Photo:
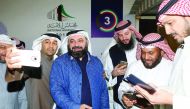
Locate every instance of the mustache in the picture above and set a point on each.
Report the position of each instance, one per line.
(51, 49)
(76, 47)
(173, 34)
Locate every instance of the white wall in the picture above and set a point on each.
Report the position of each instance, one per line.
(27, 19)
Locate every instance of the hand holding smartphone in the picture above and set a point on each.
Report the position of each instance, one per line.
(132, 79)
(27, 57)
(140, 102)
(122, 63)
(130, 95)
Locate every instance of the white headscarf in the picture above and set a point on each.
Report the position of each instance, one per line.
(5, 39)
(37, 44)
(77, 32)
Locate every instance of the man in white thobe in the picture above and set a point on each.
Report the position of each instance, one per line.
(174, 15)
(154, 54)
(122, 48)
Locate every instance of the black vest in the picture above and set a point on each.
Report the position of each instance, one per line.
(117, 55)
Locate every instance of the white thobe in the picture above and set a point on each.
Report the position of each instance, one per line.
(10, 100)
(108, 67)
(158, 75)
(180, 79)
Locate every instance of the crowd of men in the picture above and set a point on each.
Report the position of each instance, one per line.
(76, 79)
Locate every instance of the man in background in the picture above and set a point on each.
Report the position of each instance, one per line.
(38, 90)
(122, 48)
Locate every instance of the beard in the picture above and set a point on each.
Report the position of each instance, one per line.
(128, 46)
(77, 54)
(154, 64)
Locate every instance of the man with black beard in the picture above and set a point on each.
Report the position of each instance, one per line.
(122, 48)
(78, 53)
(76, 80)
(127, 46)
(153, 55)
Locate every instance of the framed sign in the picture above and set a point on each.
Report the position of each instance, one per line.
(105, 14)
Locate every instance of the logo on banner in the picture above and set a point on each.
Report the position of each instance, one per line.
(106, 20)
(63, 22)
(105, 14)
(59, 14)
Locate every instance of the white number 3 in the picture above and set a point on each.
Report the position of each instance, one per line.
(107, 22)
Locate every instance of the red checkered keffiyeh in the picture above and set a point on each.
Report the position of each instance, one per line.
(179, 7)
(122, 25)
(154, 39)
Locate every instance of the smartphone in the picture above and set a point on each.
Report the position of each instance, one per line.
(130, 95)
(28, 57)
(132, 79)
(122, 63)
(141, 102)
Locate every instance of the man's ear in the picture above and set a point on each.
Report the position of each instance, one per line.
(187, 19)
(87, 41)
(162, 53)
